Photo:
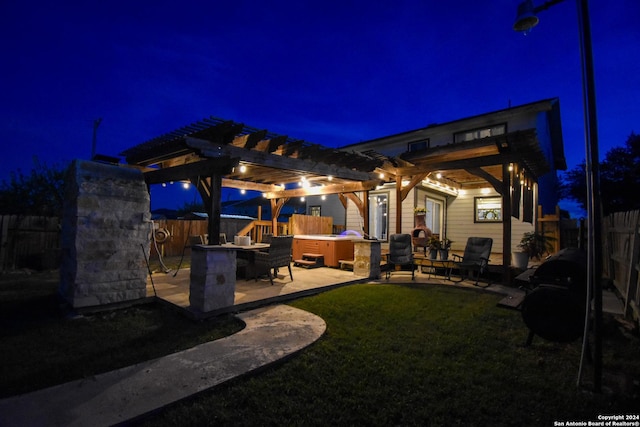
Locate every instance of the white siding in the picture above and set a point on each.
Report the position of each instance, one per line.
(460, 224)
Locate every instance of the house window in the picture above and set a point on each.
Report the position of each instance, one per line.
(418, 145)
(470, 135)
(314, 210)
(378, 218)
(488, 209)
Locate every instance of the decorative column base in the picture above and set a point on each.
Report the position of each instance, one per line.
(367, 258)
(213, 278)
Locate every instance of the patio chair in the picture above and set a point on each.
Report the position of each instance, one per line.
(475, 258)
(279, 255)
(400, 254)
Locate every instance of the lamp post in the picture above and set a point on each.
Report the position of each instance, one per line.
(525, 20)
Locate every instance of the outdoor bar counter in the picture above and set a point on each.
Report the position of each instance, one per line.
(333, 247)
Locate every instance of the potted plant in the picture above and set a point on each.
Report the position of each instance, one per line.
(419, 211)
(445, 245)
(532, 245)
(434, 245)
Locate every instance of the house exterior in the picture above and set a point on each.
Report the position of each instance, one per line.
(468, 174)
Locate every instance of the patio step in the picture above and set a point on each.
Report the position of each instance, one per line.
(346, 264)
(310, 260)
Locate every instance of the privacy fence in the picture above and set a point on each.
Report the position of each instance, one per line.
(621, 251)
(29, 242)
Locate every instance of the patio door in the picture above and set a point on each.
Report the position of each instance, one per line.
(378, 218)
(435, 215)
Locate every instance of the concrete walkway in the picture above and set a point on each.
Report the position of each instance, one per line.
(271, 333)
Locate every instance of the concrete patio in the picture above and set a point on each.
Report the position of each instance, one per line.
(173, 287)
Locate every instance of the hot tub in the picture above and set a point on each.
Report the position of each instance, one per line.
(333, 247)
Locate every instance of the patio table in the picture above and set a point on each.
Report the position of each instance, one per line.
(246, 257)
(433, 264)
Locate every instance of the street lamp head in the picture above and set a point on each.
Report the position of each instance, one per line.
(526, 18)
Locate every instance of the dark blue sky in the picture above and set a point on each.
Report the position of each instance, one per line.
(332, 73)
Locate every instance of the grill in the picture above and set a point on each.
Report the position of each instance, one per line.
(555, 308)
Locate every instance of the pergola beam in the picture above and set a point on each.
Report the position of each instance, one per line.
(204, 168)
(249, 185)
(213, 150)
(323, 190)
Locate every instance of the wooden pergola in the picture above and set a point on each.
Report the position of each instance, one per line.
(215, 153)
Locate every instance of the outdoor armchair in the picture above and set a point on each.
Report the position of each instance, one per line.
(400, 254)
(475, 258)
(279, 255)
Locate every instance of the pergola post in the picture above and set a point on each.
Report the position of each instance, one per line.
(215, 209)
(506, 223)
(398, 204)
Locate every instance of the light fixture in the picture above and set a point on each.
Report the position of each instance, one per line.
(330, 178)
(302, 199)
(243, 191)
(164, 184)
(526, 18)
(323, 197)
(185, 185)
(381, 175)
(243, 169)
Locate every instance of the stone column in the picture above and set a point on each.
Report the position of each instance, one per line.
(213, 277)
(367, 258)
(106, 225)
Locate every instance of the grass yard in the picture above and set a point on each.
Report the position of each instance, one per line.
(42, 347)
(392, 355)
(422, 355)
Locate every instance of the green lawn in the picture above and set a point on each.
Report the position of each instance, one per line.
(392, 355)
(396, 355)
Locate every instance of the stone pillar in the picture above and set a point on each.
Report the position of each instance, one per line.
(367, 258)
(105, 221)
(213, 277)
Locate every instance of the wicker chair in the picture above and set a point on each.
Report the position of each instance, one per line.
(279, 255)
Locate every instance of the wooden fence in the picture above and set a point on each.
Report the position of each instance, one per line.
(621, 241)
(29, 242)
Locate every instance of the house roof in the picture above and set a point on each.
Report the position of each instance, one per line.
(473, 163)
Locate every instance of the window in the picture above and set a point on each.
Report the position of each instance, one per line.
(378, 218)
(314, 210)
(488, 209)
(419, 145)
(470, 135)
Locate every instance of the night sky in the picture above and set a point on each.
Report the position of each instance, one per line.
(332, 73)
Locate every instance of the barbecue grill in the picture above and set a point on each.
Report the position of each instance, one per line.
(555, 308)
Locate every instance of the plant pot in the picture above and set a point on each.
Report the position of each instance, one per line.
(444, 254)
(433, 253)
(520, 260)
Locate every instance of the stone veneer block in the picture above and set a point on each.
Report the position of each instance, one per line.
(367, 258)
(105, 235)
(213, 278)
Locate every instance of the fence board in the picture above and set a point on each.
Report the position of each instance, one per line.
(308, 224)
(622, 251)
(29, 242)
